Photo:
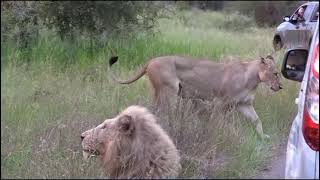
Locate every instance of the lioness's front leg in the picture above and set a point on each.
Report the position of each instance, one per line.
(248, 111)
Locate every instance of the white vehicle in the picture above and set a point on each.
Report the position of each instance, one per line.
(302, 156)
(292, 30)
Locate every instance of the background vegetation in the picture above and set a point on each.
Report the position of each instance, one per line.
(54, 83)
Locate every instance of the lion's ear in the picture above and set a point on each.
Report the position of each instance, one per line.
(126, 124)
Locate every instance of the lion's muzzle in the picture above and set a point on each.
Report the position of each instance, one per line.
(88, 145)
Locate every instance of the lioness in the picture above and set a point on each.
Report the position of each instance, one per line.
(234, 82)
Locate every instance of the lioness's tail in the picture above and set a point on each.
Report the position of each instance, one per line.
(139, 74)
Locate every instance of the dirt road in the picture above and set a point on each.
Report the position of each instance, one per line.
(275, 170)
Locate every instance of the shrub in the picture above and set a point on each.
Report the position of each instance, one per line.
(19, 22)
(96, 17)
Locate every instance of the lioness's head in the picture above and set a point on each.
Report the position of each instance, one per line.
(268, 73)
(128, 143)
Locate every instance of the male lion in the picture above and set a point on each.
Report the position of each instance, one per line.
(235, 82)
(133, 145)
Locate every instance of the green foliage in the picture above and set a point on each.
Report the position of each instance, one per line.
(209, 34)
(96, 17)
(19, 22)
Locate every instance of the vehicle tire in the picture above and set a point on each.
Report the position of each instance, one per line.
(277, 43)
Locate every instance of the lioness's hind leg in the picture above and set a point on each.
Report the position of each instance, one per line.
(167, 96)
(249, 112)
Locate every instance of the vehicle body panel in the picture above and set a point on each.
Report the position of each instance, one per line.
(301, 160)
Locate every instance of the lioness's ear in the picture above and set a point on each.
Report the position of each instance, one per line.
(126, 124)
(270, 57)
(262, 60)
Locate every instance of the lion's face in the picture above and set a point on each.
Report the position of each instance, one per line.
(268, 73)
(96, 141)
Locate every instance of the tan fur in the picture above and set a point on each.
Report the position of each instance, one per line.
(133, 145)
(234, 82)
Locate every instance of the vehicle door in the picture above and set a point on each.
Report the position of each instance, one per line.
(311, 14)
(311, 26)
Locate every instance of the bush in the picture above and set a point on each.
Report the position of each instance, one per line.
(19, 22)
(95, 17)
(22, 20)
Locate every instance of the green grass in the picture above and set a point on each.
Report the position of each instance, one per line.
(64, 90)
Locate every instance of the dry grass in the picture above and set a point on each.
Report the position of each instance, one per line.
(44, 109)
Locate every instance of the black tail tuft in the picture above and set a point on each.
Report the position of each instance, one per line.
(113, 60)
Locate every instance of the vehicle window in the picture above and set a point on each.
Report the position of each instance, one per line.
(308, 12)
(300, 14)
(306, 8)
(315, 15)
(296, 11)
